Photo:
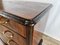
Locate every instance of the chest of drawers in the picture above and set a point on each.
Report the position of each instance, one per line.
(17, 20)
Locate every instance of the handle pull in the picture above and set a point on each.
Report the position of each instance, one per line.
(11, 42)
(3, 20)
(8, 34)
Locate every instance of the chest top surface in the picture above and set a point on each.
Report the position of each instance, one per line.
(24, 9)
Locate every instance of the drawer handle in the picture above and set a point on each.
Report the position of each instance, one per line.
(12, 42)
(3, 20)
(8, 32)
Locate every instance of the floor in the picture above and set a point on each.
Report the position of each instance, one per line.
(46, 39)
(36, 37)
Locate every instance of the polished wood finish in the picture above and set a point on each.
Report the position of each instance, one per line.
(26, 13)
(21, 41)
(24, 9)
(24, 31)
(29, 34)
(21, 29)
(16, 38)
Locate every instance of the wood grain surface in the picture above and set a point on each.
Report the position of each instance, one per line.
(24, 9)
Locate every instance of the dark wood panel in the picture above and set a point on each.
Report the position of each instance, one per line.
(21, 29)
(17, 39)
(24, 9)
(18, 28)
(26, 31)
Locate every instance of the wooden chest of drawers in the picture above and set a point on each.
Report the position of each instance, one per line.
(18, 18)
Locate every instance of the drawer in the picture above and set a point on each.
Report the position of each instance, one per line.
(19, 40)
(19, 28)
(11, 37)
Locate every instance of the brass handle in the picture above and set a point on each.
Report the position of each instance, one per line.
(8, 34)
(11, 42)
(3, 20)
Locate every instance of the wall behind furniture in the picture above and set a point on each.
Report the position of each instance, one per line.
(52, 27)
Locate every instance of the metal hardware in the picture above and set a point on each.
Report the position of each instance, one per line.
(3, 20)
(31, 24)
(11, 41)
(26, 22)
(8, 34)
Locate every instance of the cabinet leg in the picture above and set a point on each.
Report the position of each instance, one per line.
(41, 41)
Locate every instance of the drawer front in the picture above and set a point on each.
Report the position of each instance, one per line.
(18, 28)
(19, 39)
(21, 29)
(10, 37)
